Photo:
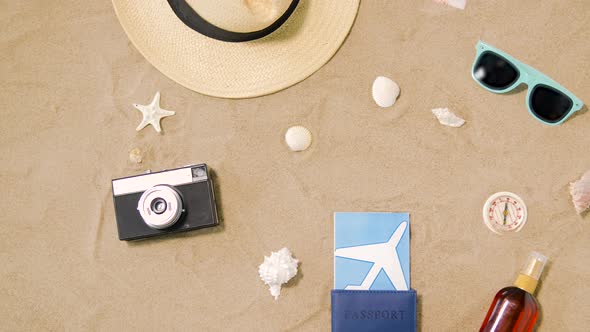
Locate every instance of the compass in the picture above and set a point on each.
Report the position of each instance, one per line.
(504, 212)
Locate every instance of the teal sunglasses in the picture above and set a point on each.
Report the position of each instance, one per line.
(499, 72)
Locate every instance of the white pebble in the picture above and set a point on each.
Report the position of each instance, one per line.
(298, 138)
(385, 91)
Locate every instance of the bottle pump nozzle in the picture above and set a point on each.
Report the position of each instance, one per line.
(529, 276)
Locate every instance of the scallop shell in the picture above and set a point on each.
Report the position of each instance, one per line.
(277, 269)
(580, 191)
(385, 91)
(298, 138)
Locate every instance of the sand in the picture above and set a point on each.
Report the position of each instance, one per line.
(70, 76)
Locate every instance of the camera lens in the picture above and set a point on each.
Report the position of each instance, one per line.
(158, 205)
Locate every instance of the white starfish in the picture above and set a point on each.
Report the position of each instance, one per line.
(152, 113)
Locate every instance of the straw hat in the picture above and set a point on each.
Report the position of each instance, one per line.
(237, 48)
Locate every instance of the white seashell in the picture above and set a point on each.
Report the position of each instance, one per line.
(459, 4)
(580, 191)
(298, 138)
(385, 91)
(277, 269)
(448, 118)
(135, 155)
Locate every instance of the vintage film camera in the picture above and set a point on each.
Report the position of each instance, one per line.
(164, 202)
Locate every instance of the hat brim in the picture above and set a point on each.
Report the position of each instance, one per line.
(309, 39)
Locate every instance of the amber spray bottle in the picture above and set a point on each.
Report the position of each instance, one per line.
(515, 308)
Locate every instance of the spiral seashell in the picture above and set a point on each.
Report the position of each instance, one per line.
(580, 191)
(277, 269)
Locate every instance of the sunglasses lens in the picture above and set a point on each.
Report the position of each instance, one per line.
(549, 104)
(494, 71)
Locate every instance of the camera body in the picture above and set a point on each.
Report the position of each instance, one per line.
(170, 201)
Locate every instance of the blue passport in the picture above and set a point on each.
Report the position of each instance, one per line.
(375, 311)
(371, 251)
(372, 273)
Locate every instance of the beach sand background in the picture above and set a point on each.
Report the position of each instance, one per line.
(70, 76)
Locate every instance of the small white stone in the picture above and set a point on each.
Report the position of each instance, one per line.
(298, 138)
(135, 155)
(385, 91)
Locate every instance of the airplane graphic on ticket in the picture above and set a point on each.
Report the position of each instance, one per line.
(372, 251)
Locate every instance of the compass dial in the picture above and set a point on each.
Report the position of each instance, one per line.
(504, 212)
